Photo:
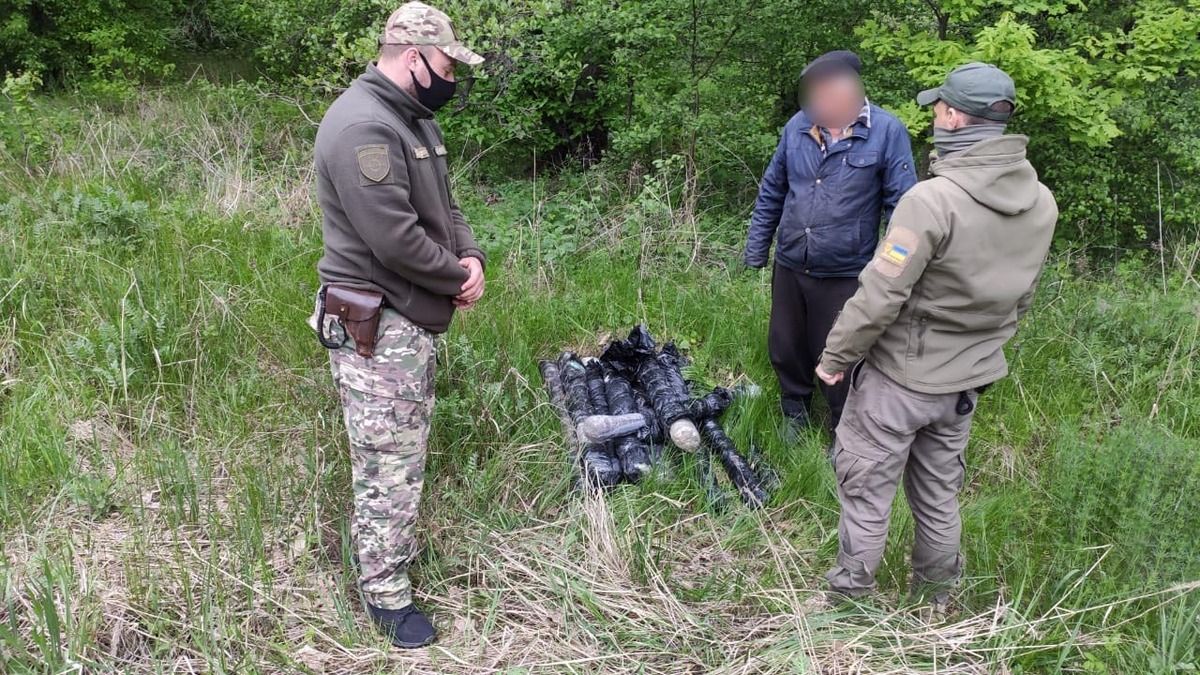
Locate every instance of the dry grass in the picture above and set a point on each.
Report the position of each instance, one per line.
(577, 593)
(238, 167)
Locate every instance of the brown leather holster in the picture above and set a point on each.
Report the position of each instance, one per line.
(359, 313)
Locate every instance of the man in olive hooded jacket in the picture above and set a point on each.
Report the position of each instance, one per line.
(954, 274)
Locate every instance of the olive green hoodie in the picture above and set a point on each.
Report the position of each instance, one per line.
(390, 223)
(955, 272)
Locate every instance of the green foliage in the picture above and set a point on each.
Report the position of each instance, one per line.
(169, 321)
(104, 219)
(22, 134)
(1106, 92)
(578, 80)
(108, 44)
(1073, 84)
(1135, 491)
(123, 354)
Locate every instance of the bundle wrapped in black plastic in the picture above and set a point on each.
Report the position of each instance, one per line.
(599, 467)
(659, 375)
(710, 405)
(655, 433)
(573, 379)
(619, 410)
(594, 372)
(741, 474)
(631, 449)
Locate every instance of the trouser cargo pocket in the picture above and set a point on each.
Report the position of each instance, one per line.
(856, 467)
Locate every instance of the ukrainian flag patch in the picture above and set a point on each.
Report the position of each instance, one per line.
(895, 252)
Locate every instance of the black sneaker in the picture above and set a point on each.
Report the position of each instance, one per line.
(407, 627)
(796, 412)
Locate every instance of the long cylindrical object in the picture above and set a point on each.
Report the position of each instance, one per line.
(597, 462)
(600, 428)
(740, 473)
(712, 404)
(631, 448)
(658, 374)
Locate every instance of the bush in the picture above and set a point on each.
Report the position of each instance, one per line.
(1136, 489)
(1106, 91)
(109, 44)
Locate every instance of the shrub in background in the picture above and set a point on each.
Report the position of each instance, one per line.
(106, 44)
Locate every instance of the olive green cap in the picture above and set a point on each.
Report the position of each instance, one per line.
(974, 88)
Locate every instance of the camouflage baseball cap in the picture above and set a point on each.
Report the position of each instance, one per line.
(974, 88)
(416, 23)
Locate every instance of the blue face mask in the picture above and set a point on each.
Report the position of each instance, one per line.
(438, 93)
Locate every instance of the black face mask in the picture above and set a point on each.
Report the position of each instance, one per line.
(438, 93)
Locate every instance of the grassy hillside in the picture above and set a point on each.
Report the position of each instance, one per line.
(174, 483)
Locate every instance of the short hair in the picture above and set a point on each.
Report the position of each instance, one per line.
(387, 52)
(1003, 107)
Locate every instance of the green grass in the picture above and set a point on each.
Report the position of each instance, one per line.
(174, 482)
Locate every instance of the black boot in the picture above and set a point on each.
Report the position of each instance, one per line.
(796, 409)
(795, 418)
(406, 627)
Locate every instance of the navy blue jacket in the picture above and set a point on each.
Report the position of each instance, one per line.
(827, 209)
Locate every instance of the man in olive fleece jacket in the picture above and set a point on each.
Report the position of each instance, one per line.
(390, 222)
(955, 272)
(392, 227)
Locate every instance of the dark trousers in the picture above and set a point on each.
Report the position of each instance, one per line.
(803, 309)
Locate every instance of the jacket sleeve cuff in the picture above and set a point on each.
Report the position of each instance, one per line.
(753, 260)
(474, 253)
(833, 365)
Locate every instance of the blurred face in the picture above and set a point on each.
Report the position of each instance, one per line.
(834, 102)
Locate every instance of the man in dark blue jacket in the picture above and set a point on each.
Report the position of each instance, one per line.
(841, 166)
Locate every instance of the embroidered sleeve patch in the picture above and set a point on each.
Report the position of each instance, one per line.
(896, 252)
(373, 162)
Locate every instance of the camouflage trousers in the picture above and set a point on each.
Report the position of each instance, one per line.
(388, 402)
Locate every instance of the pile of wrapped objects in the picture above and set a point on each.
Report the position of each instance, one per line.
(620, 410)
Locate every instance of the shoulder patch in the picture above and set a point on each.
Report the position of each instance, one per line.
(896, 251)
(373, 162)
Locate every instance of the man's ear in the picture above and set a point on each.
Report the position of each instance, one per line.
(956, 118)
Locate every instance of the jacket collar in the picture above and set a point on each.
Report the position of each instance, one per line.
(995, 173)
(391, 95)
(864, 115)
(861, 128)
